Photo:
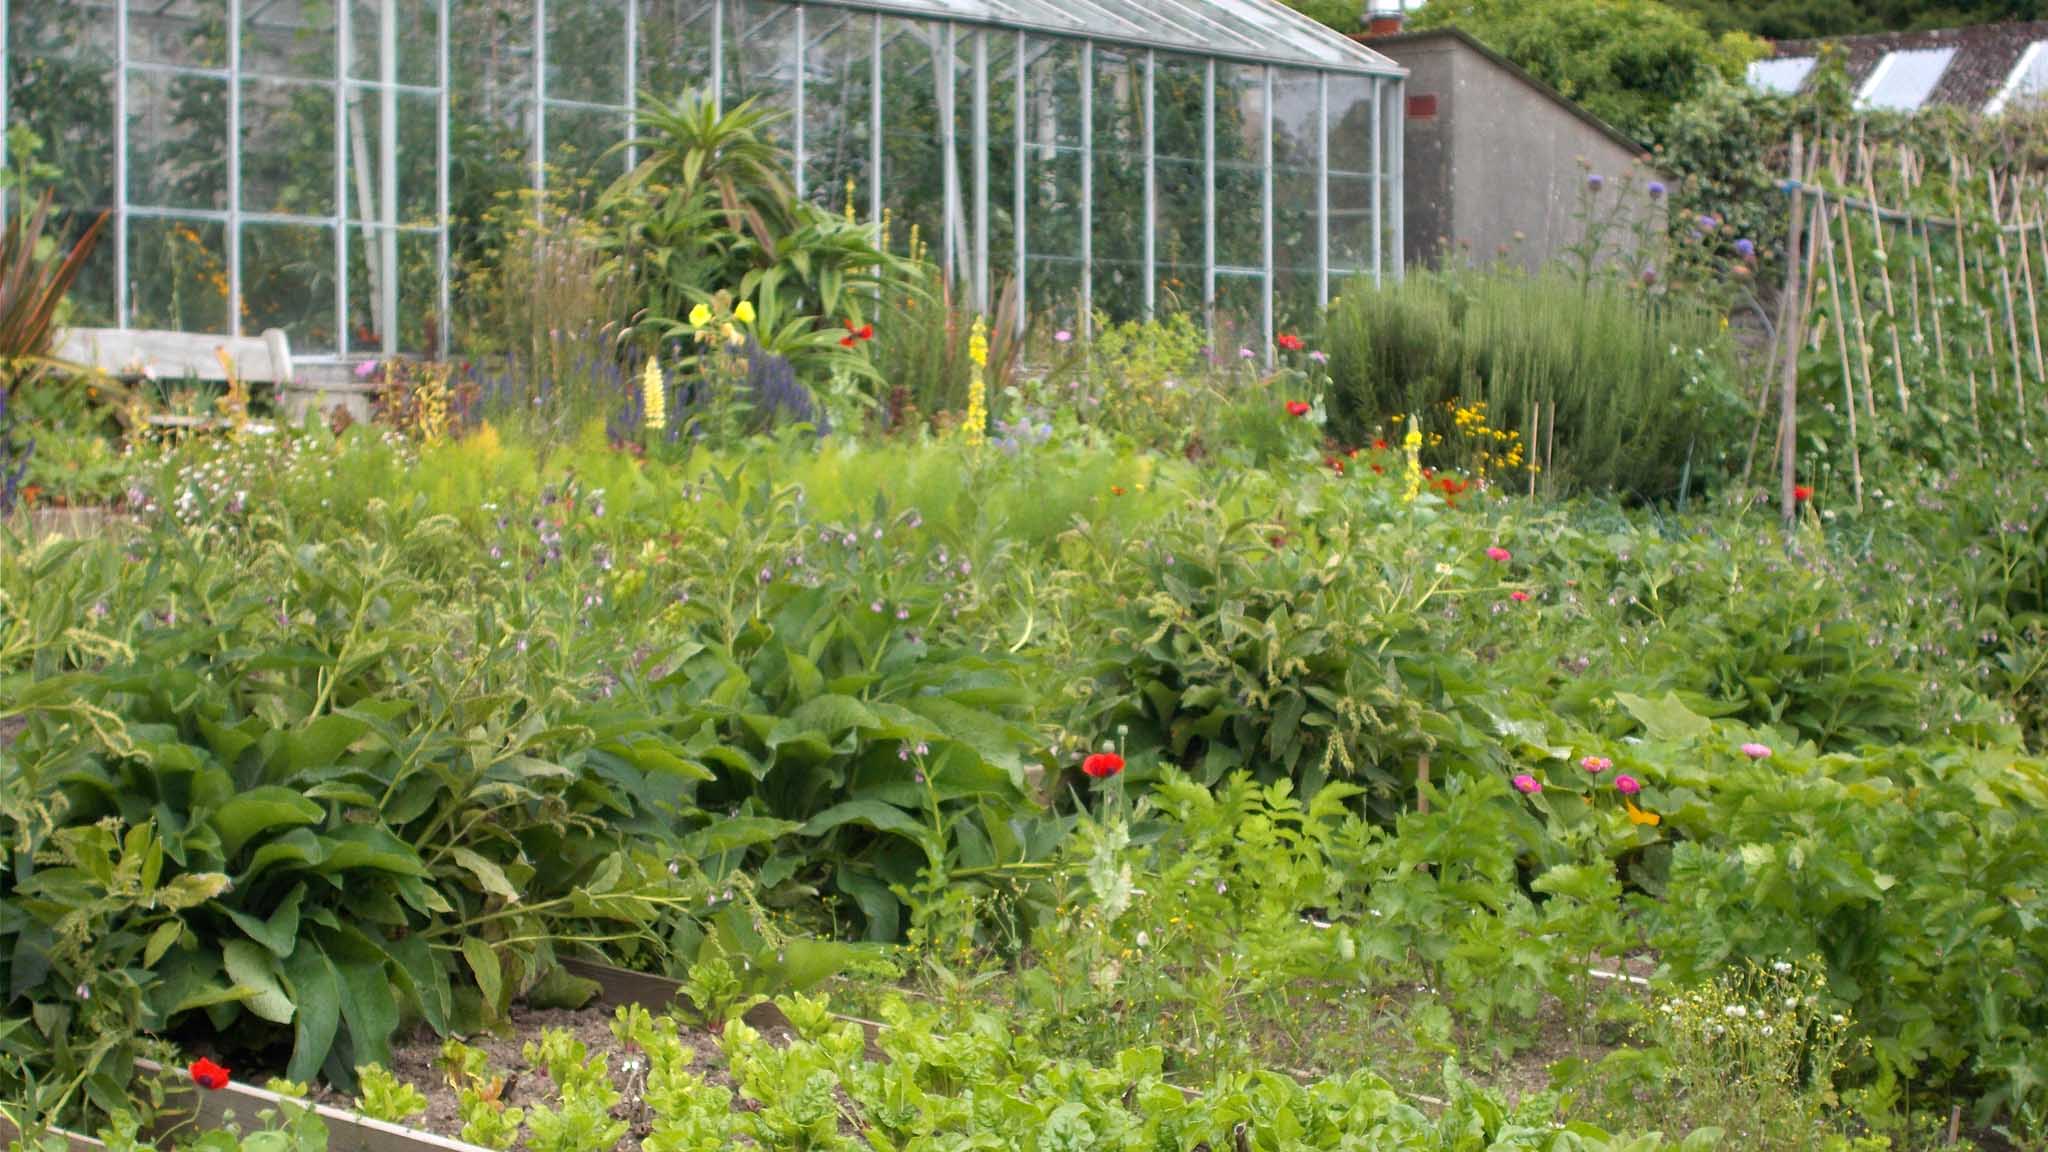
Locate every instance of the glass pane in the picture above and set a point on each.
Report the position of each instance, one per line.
(1052, 216)
(178, 275)
(1177, 182)
(1350, 224)
(836, 91)
(290, 38)
(417, 143)
(838, 66)
(1297, 120)
(288, 148)
(675, 46)
(418, 290)
(188, 33)
(60, 85)
(177, 141)
(2028, 82)
(288, 283)
(1904, 80)
(1780, 77)
(490, 133)
(1240, 301)
(1240, 160)
(587, 50)
(1001, 52)
(760, 58)
(1351, 125)
(1119, 184)
(92, 294)
(913, 162)
(579, 143)
(403, 33)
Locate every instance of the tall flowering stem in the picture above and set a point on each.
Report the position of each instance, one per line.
(976, 425)
(653, 397)
(1412, 445)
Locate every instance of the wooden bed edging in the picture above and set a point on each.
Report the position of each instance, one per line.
(9, 1134)
(346, 1131)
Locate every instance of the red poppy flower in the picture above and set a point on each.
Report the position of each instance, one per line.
(1801, 493)
(1116, 489)
(1335, 464)
(1290, 342)
(1379, 445)
(208, 1075)
(846, 341)
(1378, 471)
(1103, 765)
(1351, 453)
(1297, 408)
(867, 332)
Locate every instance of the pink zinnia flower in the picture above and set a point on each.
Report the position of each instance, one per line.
(1527, 784)
(1627, 785)
(1597, 764)
(1519, 596)
(1756, 751)
(1499, 555)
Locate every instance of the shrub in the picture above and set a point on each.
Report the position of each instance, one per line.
(1610, 391)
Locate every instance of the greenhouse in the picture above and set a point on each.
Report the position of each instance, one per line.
(319, 166)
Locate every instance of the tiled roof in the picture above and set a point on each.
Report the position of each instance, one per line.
(1985, 56)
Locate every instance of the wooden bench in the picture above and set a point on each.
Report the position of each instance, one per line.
(170, 356)
(131, 355)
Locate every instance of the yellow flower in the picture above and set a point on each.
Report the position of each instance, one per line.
(653, 397)
(745, 312)
(977, 344)
(700, 316)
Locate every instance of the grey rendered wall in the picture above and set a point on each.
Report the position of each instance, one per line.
(1499, 172)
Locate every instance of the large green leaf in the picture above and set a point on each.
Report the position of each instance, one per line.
(316, 991)
(259, 811)
(254, 971)
(280, 933)
(869, 813)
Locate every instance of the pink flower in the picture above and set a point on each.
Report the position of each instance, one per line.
(1062, 336)
(1499, 555)
(1527, 785)
(1627, 785)
(1519, 596)
(366, 369)
(1597, 764)
(1756, 751)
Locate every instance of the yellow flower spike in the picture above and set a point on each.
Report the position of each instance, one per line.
(653, 397)
(700, 316)
(975, 426)
(745, 312)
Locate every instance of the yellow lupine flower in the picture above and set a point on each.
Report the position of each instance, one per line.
(653, 397)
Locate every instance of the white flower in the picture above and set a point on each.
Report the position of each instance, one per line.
(1737, 1011)
(1144, 941)
(1780, 967)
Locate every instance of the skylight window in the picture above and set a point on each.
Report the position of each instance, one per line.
(1904, 80)
(2028, 83)
(1780, 77)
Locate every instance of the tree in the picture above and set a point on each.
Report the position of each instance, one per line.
(1627, 61)
(1801, 19)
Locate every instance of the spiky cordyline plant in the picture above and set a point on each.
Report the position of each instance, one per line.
(33, 281)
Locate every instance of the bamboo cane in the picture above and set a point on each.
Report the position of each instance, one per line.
(1884, 275)
(2027, 277)
(1848, 391)
(1934, 300)
(1788, 422)
(1856, 310)
(2012, 326)
(1791, 316)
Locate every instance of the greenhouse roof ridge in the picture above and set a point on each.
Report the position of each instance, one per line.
(1255, 31)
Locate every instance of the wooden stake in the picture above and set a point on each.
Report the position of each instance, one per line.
(1788, 422)
(1891, 314)
(1856, 309)
(1934, 299)
(2027, 275)
(1848, 391)
(1790, 315)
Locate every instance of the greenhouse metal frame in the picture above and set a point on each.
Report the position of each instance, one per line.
(297, 157)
